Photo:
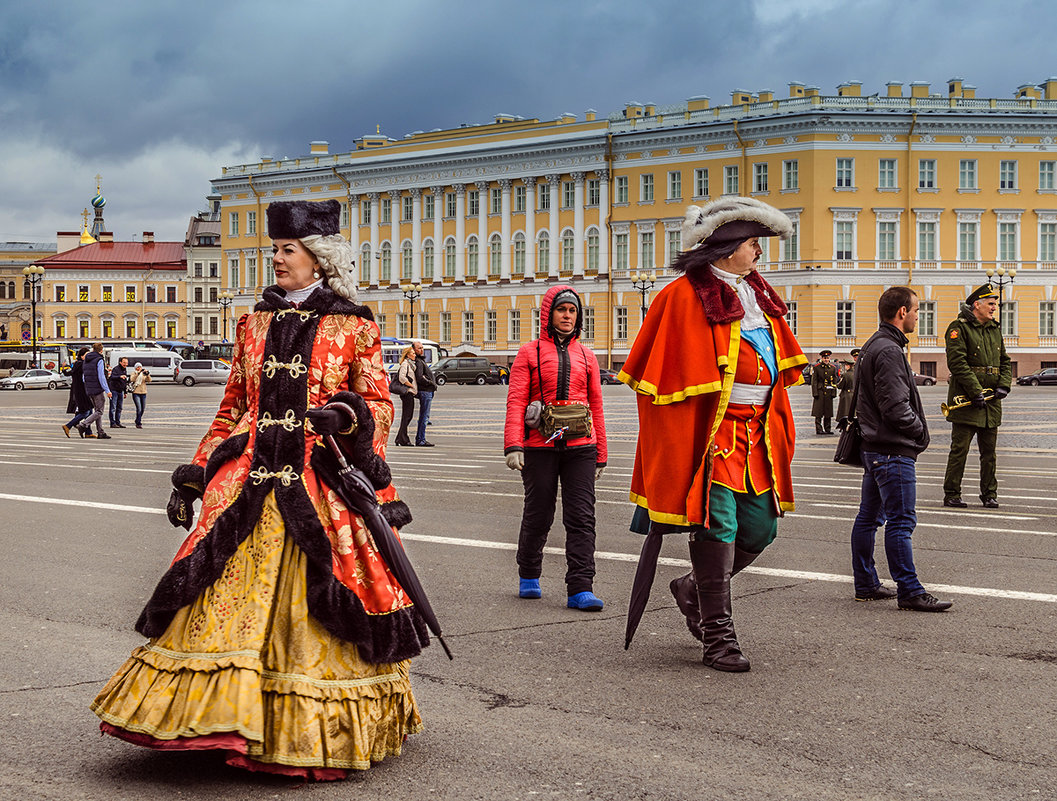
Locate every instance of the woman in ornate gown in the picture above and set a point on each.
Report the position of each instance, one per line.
(278, 635)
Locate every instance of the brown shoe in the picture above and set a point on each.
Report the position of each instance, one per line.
(66, 431)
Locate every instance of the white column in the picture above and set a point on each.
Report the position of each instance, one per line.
(555, 231)
(438, 233)
(530, 228)
(603, 232)
(416, 236)
(579, 254)
(375, 211)
(460, 233)
(484, 263)
(504, 270)
(354, 234)
(397, 263)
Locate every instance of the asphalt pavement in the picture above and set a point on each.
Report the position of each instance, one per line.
(845, 700)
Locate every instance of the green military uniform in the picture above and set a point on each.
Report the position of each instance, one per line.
(978, 362)
(823, 390)
(846, 387)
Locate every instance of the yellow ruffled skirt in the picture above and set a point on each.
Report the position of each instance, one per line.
(245, 669)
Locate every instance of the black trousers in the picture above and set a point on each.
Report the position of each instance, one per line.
(575, 469)
(407, 411)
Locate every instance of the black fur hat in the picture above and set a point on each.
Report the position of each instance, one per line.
(295, 219)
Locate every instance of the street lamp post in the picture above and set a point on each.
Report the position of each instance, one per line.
(225, 299)
(412, 292)
(1002, 277)
(34, 278)
(644, 282)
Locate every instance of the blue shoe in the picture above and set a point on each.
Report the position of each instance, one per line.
(586, 601)
(529, 588)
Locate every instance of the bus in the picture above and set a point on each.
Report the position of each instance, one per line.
(392, 347)
(221, 351)
(51, 355)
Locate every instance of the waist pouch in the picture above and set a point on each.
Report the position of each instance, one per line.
(575, 418)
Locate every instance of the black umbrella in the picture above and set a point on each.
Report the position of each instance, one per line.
(643, 583)
(356, 490)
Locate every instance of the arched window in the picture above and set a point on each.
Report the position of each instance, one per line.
(407, 262)
(3, 290)
(427, 261)
(449, 258)
(568, 251)
(471, 258)
(543, 259)
(495, 248)
(519, 254)
(387, 264)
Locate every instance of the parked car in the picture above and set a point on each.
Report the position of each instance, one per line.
(1047, 375)
(203, 371)
(924, 380)
(469, 370)
(607, 376)
(34, 379)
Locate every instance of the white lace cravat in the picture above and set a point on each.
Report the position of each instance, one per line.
(754, 317)
(299, 296)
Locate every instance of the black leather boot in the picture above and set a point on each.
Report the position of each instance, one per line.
(684, 590)
(713, 565)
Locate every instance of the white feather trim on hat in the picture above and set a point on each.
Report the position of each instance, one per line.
(701, 222)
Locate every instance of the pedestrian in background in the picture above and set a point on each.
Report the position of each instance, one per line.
(823, 390)
(79, 405)
(98, 390)
(137, 387)
(845, 386)
(118, 383)
(894, 433)
(405, 376)
(559, 375)
(981, 371)
(426, 385)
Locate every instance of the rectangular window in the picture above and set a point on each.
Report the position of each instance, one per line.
(589, 324)
(759, 177)
(967, 241)
(592, 251)
(130, 293)
(1048, 242)
(407, 204)
(60, 329)
(212, 294)
(386, 213)
(620, 254)
(620, 194)
(467, 326)
(233, 273)
(251, 270)
(927, 241)
(568, 252)
(233, 223)
(152, 329)
(60, 294)
(1047, 176)
(429, 207)
(108, 293)
(152, 294)
(845, 318)
(343, 222)
(926, 173)
(170, 294)
(646, 251)
(886, 241)
(423, 325)
(197, 325)
(675, 185)
(381, 320)
(791, 245)
(844, 237)
(496, 200)
(594, 192)
(108, 329)
(1007, 241)
(544, 197)
(1007, 313)
(251, 223)
(967, 174)
(473, 203)
(82, 293)
(845, 173)
(520, 198)
(170, 329)
(1047, 318)
(514, 325)
(214, 327)
(491, 326)
(403, 325)
(452, 203)
(365, 212)
(543, 255)
(701, 182)
(620, 327)
(927, 318)
(445, 326)
(675, 239)
(791, 174)
(535, 323)
(646, 188)
(198, 269)
(730, 179)
(519, 255)
(82, 329)
(1007, 175)
(198, 294)
(791, 315)
(214, 269)
(269, 270)
(568, 194)
(886, 174)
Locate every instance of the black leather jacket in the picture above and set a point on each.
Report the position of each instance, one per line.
(888, 406)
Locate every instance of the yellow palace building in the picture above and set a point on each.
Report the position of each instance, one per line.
(935, 189)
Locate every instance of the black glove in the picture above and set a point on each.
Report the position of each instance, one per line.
(842, 424)
(180, 509)
(329, 421)
(979, 402)
(1001, 392)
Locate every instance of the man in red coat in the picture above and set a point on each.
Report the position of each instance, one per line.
(559, 374)
(716, 434)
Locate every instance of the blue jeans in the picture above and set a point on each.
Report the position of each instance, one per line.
(117, 401)
(889, 494)
(141, 404)
(425, 400)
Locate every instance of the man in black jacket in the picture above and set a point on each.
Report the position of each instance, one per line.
(118, 382)
(894, 432)
(427, 385)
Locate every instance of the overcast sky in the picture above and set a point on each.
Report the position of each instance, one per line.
(158, 96)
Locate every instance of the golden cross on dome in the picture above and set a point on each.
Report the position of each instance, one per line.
(98, 178)
(377, 129)
(84, 216)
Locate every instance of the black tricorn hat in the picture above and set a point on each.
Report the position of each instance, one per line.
(296, 219)
(981, 292)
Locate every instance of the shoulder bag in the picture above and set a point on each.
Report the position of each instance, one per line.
(849, 446)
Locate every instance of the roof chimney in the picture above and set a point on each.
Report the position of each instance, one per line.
(148, 237)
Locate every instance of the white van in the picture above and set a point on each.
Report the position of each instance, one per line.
(163, 365)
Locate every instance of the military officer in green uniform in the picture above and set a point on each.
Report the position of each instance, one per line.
(846, 387)
(981, 371)
(823, 390)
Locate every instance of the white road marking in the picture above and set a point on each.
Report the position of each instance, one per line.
(114, 507)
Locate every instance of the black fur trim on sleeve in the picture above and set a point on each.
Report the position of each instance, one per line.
(226, 451)
(189, 476)
(396, 513)
(359, 446)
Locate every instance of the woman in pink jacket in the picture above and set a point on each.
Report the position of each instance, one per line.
(555, 379)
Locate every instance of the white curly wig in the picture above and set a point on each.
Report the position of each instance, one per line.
(334, 253)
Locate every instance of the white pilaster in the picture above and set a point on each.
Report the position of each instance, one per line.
(530, 228)
(484, 263)
(397, 265)
(504, 270)
(416, 236)
(438, 233)
(579, 254)
(555, 230)
(604, 233)
(460, 233)
(375, 212)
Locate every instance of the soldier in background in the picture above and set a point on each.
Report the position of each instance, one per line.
(981, 371)
(823, 390)
(846, 387)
